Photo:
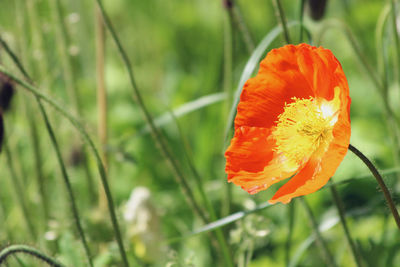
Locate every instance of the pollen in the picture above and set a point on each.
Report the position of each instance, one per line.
(302, 129)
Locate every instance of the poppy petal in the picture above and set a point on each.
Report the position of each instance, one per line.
(251, 161)
(279, 80)
(319, 169)
(321, 70)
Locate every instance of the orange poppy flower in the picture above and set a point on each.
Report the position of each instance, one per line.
(292, 121)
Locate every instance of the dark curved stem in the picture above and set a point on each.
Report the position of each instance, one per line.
(236, 16)
(282, 19)
(302, 4)
(13, 249)
(380, 181)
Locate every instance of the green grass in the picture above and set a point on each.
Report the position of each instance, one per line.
(177, 54)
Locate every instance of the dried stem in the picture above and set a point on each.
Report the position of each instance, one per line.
(101, 98)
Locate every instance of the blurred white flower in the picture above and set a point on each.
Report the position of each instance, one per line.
(73, 18)
(143, 225)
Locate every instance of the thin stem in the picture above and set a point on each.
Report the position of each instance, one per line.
(219, 233)
(291, 211)
(236, 15)
(13, 249)
(380, 181)
(396, 38)
(67, 182)
(3, 218)
(38, 159)
(89, 141)
(280, 14)
(180, 178)
(302, 5)
(383, 67)
(101, 97)
(320, 241)
(227, 85)
(19, 192)
(342, 217)
(41, 64)
(368, 67)
(63, 43)
(32, 119)
(54, 142)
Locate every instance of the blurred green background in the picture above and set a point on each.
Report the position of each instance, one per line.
(181, 51)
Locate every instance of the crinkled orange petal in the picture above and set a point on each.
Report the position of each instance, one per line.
(319, 169)
(279, 79)
(251, 162)
(321, 69)
(291, 71)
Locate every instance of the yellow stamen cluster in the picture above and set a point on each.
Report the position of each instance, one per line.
(301, 130)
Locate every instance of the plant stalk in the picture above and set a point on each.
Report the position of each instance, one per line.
(180, 178)
(341, 211)
(381, 183)
(24, 249)
(32, 89)
(320, 241)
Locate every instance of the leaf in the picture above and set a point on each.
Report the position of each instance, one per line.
(184, 109)
(241, 214)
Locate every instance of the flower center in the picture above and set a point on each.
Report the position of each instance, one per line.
(304, 127)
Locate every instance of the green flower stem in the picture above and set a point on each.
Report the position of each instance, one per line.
(234, 12)
(67, 182)
(180, 178)
(227, 85)
(89, 141)
(393, 118)
(383, 66)
(320, 241)
(38, 159)
(291, 213)
(19, 192)
(41, 63)
(13, 249)
(302, 7)
(223, 243)
(32, 119)
(280, 14)
(58, 154)
(342, 217)
(381, 183)
(396, 39)
(63, 43)
(101, 96)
